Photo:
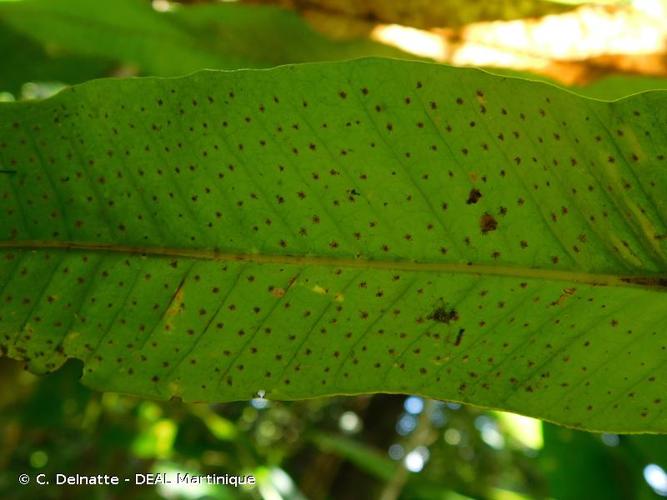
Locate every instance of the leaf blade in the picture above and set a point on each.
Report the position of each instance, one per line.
(209, 238)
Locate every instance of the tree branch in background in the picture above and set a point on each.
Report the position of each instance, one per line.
(600, 40)
(423, 13)
(423, 435)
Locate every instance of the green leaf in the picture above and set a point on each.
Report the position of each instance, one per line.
(371, 460)
(592, 472)
(598, 470)
(158, 43)
(617, 86)
(343, 228)
(378, 465)
(608, 87)
(24, 60)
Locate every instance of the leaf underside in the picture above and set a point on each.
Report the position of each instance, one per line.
(343, 228)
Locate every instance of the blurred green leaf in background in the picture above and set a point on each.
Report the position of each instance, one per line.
(347, 448)
(55, 38)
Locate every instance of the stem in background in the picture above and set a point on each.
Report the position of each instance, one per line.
(422, 436)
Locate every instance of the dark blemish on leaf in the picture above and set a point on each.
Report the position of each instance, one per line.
(459, 337)
(488, 223)
(444, 314)
(650, 282)
(474, 196)
(7, 172)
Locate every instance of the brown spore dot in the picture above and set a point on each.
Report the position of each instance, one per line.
(488, 223)
(443, 314)
(474, 196)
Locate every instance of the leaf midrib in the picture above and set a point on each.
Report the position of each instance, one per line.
(653, 281)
